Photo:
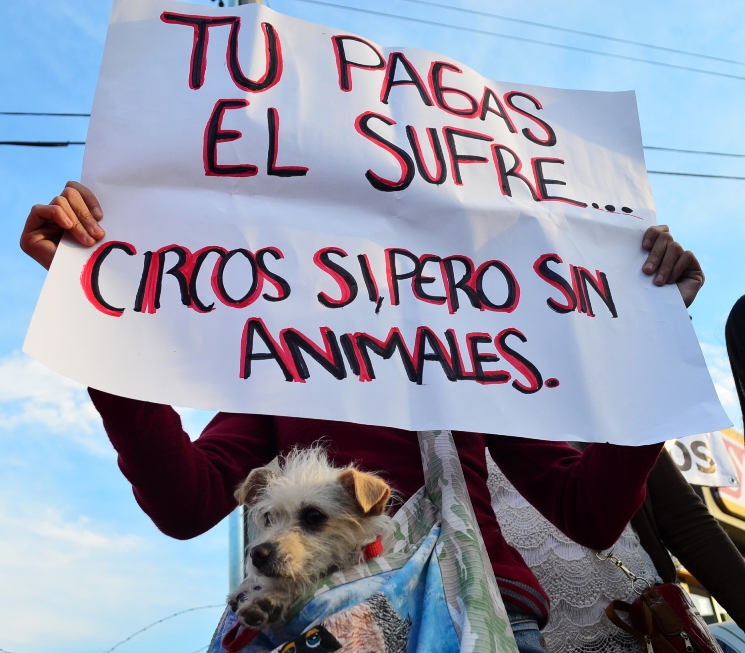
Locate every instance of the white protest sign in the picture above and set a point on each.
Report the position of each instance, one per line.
(302, 222)
(704, 459)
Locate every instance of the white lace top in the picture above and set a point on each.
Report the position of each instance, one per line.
(579, 585)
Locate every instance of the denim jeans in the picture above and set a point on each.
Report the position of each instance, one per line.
(527, 635)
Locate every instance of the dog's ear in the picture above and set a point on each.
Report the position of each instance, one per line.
(370, 492)
(254, 485)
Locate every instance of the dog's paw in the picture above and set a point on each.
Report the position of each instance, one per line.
(260, 612)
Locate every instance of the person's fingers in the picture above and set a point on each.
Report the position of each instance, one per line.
(650, 235)
(673, 252)
(40, 243)
(683, 264)
(77, 230)
(88, 197)
(657, 252)
(82, 212)
(42, 214)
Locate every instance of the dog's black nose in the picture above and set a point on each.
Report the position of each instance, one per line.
(263, 554)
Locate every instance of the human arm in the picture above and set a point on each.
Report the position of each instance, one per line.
(693, 536)
(589, 496)
(78, 211)
(670, 263)
(75, 209)
(184, 487)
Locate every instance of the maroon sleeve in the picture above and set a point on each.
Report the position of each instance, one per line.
(588, 496)
(184, 487)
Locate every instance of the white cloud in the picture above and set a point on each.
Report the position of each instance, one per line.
(71, 584)
(32, 395)
(721, 374)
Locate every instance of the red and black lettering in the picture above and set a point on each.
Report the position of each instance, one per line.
(404, 160)
(420, 279)
(579, 290)
(513, 288)
(477, 358)
(490, 103)
(215, 134)
(281, 286)
(218, 285)
(541, 182)
(151, 281)
(439, 91)
(367, 274)
(198, 260)
(89, 277)
(329, 358)
(198, 65)
(272, 169)
(425, 336)
(389, 81)
(557, 281)
(519, 362)
(441, 171)
(504, 173)
(457, 359)
(464, 283)
(344, 65)
(344, 278)
(350, 352)
(255, 326)
(549, 140)
(394, 342)
(200, 25)
(273, 50)
(600, 285)
(457, 159)
(392, 274)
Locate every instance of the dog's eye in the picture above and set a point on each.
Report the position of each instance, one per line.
(313, 517)
(267, 519)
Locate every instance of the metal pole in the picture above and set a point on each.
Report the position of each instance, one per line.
(233, 3)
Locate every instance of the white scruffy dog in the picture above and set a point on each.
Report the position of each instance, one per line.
(305, 522)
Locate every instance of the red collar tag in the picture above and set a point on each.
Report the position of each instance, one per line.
(374, 549)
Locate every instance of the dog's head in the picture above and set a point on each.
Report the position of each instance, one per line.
(310, 518)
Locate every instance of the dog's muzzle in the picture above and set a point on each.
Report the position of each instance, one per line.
(264, 558)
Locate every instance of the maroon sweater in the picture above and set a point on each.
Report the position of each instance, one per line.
(187, 487)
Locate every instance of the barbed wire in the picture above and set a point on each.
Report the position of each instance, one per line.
(160, 621)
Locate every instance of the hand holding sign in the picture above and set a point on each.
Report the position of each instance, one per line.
(75, 209)
(323, 227)
(669, 263)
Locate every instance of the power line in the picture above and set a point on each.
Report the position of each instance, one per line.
(691, 174)
(525, 40)
(43, 113)
(160, 621)
(672, 149)
(576, 31)
(42, 143)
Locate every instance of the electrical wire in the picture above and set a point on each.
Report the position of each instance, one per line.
(692, 174)
(42, 143)
(160, 621)
(524, 40)
(575, 31)
(201, 648)
(43, 113)
(672, 149)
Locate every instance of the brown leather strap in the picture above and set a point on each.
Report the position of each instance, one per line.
(610, 611)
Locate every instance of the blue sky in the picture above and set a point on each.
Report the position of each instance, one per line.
(80, 566)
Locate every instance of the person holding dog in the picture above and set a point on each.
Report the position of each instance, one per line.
(187, 487)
